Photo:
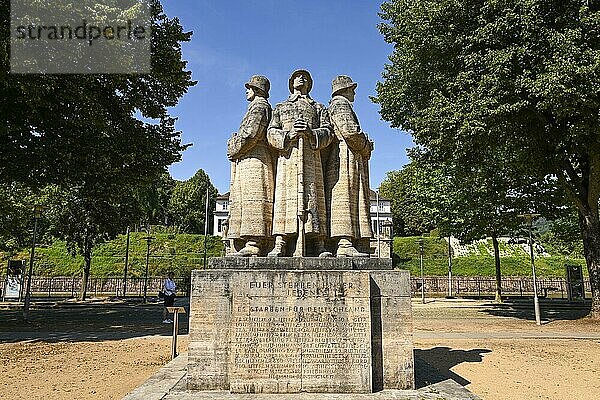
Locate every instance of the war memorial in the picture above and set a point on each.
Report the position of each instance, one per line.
(298, 306)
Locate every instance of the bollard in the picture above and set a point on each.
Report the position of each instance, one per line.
(175, 311)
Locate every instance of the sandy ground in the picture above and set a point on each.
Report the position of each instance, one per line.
(105, 350)
(76, 370)
(529, 361)
(520, 369)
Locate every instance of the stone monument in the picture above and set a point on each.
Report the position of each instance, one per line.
(299, 130)
(252, 174)
(347, 174)
(289, 322)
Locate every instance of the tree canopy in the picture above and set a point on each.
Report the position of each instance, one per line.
(473, 78)
(188, 202)
(153, 200)
(71, 129)
(411, 191)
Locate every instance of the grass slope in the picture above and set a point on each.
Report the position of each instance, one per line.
(183, 252)
(406, 256)
(180, 253)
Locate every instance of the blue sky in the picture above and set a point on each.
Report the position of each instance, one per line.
(236, 39)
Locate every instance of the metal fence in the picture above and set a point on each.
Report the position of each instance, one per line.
(486, 286)
(60, 286)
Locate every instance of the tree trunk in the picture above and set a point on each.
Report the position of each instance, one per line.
(498, 273)
(590, 229)
(87, 257)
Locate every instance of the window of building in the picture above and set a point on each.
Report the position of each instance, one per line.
(220, 225)
(374, 226)
(226, 205)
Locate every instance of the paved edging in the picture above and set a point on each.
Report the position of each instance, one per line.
(8, 337)
(159, 384)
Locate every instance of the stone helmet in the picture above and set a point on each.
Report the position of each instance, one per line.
(298, 72)
(259, 82)
(342, 82)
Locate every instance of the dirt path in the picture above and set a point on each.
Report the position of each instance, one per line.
(104, 350)
(99, 350)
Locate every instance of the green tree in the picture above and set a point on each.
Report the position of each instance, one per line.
(188, 203)
(467, 201)
(99, 138)
(153, 200)
(85, 216)
(17, 202)
(474, 75)
(411, 200)
(482, 201)
(563, 236)
(63, 129)
(15, 216)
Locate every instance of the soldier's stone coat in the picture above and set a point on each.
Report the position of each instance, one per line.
(347, 174)
(252, 175)
(286, 188)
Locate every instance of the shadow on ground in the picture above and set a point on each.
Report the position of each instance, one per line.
(551, 309)
(96, 321)
(434, 365)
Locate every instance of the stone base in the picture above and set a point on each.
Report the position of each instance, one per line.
(293, 331)
(169, 384)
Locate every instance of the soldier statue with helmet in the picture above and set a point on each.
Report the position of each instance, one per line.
(347, 174)
(252, 175)
(299, 174)
(298, 131)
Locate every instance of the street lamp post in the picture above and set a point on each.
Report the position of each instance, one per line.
(205, 226)
(37, 213)
(448, 182)
(378, 227)
(529, 219)
(422, 250)
(148, 241)
(449, 268)
(126, 263)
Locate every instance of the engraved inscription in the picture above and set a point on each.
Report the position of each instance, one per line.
(296, 334)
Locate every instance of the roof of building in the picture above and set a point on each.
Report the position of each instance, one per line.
(224, 196)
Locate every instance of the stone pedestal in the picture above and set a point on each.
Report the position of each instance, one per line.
(291, 330)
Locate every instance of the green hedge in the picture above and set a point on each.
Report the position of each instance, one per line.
(408, 247)
(484, 266)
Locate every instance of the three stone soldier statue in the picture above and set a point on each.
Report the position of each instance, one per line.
(298, 130)
(252, 174)
(347, 174)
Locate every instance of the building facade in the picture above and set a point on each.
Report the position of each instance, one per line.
(220, 214)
